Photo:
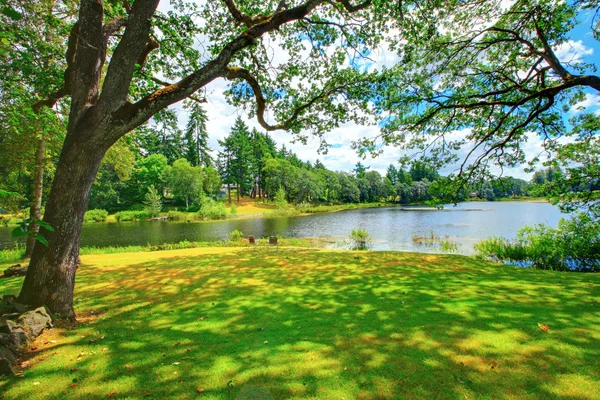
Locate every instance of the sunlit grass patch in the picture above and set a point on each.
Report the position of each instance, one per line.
(220, 323)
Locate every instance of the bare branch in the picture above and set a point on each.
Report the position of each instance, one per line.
(65, 90)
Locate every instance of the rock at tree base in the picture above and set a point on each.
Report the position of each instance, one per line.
(20, 336)
(15, 335)
(15, 270)
(36, 321)
(6, 366)
(20, 308)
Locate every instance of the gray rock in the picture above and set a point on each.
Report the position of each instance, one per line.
(19, 335)
(15, 270)
(36, 321)
(7, 342)
(6, 367)
(20, 308)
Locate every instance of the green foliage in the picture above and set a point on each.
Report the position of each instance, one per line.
(235, 159)
(233, 209)
(212, 209)
(236, 235)
(11, 255)
(279, 199)
(23, 230)
(124, 216)
(153, 201)
(359, 239)
(184, 180)
(95, 216)
(574, 245)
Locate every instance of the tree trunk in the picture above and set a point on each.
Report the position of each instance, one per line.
(229, 192)
(50, 277)
(36, 196)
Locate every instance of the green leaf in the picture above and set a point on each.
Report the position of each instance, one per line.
(45, 225)
(20, 231)
(11, 13)
(41, 239)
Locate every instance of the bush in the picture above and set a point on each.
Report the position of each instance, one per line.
(193, 208)
(279, 199)
(176, 216)
(153, 201)
(359, 239)
(4, 221)
(236, 235)
(123, 216)
(211, 209)
(95, 216)
(233, 209)
(574, 246)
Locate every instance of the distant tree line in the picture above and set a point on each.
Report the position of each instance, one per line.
(178, 164)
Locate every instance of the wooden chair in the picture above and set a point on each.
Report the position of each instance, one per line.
(252, 242)
(273, 242)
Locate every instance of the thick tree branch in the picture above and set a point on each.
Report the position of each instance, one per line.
(133, 115)
(114, 26)
(89, 59)
(238, 15)
(240, 73)
(550, 56)
(165, 84)
(128, 52)
(351, 8)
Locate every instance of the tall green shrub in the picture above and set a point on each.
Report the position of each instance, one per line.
(153, 201)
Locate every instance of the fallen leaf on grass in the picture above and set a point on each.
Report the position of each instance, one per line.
(199, 390)
(176, 363)
(544, 327)
(112, 394)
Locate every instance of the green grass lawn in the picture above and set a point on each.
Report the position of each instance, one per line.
(234, 323)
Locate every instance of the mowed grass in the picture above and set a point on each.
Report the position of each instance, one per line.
(233, 323)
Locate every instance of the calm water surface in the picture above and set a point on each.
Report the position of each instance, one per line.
(392, 228)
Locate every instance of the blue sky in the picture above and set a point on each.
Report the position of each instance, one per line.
(340, 155)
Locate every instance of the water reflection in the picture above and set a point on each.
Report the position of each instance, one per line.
(392, 228)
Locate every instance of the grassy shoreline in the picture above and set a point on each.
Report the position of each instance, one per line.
(227, 322)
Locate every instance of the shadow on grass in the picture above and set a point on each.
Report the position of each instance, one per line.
(306, 324)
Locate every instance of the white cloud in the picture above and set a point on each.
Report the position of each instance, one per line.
(590, 101)
(572, 51)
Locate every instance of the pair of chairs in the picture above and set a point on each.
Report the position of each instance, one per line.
(272, 242)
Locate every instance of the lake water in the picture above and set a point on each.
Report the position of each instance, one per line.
(392, 228)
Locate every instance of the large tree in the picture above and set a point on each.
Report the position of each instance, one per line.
(485, 79)
(116, 49)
